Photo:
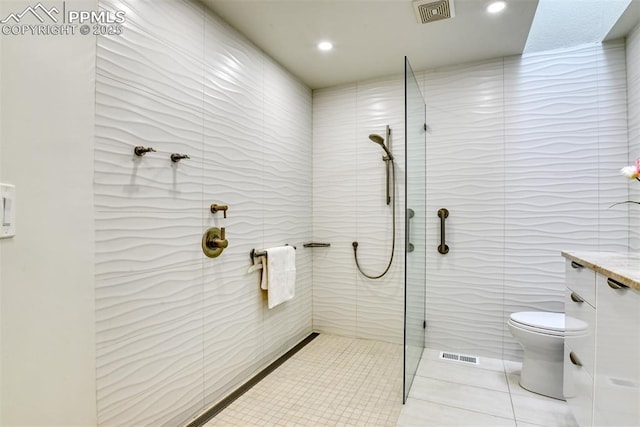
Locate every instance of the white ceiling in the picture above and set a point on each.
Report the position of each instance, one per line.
(371, 37)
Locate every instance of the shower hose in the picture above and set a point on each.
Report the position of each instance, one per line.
(393, 240)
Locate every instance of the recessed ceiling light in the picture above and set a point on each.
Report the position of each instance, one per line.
(325, 46)
(496, 6)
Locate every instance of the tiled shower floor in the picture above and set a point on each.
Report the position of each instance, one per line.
(332, 381)
(337, 381)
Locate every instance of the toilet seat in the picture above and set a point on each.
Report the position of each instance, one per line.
(540, 322)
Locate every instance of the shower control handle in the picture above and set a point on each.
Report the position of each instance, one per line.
(214, 242)
(220, 242)
(442, 247)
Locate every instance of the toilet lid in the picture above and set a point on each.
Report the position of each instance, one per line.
(541, 320)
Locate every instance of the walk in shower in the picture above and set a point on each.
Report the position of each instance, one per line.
(415, 220)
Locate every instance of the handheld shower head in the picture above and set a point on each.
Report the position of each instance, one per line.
(376, 138)
(380, 141)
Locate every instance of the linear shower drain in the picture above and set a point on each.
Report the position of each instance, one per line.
(474, 360)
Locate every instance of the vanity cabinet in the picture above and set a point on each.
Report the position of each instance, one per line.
(617, 380)
(602, 342)
(579, 342)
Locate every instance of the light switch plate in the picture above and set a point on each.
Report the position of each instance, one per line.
(7, 211)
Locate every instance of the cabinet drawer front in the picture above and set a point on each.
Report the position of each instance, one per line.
(578, 390)
(581, 280)
(617, 380)
(580, 315)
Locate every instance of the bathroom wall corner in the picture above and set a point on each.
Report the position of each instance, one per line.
(1, 178)
(633, 125)
(46, 271)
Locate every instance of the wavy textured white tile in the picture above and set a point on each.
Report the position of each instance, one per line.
(349, 185)
(132, 242)
(148, 346)
(334, 289)
(127, 117)
(204, 321)
(549, 210)
(334, 210)
(380, 303)
(465, 175)
(159, 51)
(561, 113)
(633, 114)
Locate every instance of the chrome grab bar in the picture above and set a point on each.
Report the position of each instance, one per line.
(442, 247)
(410, 214)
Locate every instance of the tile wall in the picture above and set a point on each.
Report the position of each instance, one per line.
(633, 91)
(523, 151)
(349, 205)
(175, 330)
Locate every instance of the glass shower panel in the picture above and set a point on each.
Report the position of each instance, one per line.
(415, 235)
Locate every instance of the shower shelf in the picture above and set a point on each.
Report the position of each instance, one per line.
(316, 245)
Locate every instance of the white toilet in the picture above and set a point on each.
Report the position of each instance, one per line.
(541, 335)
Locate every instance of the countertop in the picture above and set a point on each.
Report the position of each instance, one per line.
(621, 266)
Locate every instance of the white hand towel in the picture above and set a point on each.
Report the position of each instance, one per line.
(263, 277)
(281, 274)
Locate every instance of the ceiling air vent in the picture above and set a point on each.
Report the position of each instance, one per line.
(430, 11)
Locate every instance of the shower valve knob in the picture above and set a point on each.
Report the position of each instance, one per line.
(214, 242)
(220, 242)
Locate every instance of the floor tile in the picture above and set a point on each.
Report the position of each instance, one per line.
(485, 362)
(463, 374)
(424, 414)
(523, 424)
(511, 367)
(544, 411)
(514, 385)
(462, 396)
(338, 381)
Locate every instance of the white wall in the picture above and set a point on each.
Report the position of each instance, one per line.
(48, 341)
(1, 180)
(349, 205)
(523, 151)
(177, 331)
(633, 115)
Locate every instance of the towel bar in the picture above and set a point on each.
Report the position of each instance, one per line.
(253, 254)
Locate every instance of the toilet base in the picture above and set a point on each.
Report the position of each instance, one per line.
(543, 376)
